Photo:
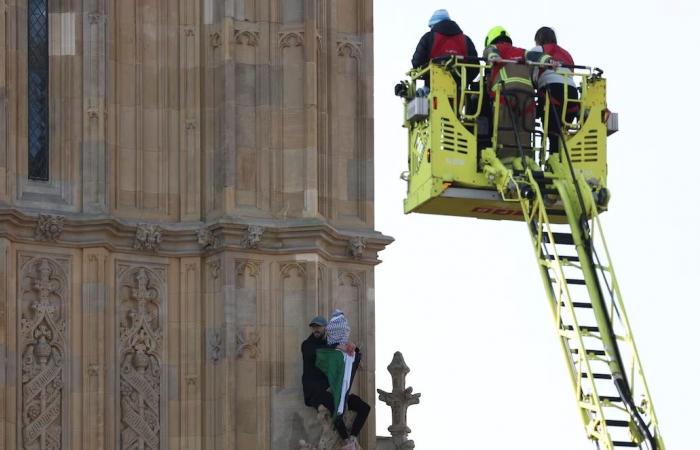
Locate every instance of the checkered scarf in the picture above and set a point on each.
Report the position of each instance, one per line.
(338, 329)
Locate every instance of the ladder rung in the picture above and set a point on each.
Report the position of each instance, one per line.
(599, 376)
(590, 328)
(579, 305)
(603, 398)
(555, 212)
(570, 281)
(562, 257)
(617, 423)
(559, 238)
(592, 352)
(624, 444)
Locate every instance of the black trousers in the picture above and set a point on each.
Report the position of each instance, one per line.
(556, 103)
(354, 403)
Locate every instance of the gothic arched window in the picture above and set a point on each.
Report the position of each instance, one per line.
(38, 89)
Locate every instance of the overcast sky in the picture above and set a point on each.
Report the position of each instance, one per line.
(463, 299)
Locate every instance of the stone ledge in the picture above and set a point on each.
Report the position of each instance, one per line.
(266, 237)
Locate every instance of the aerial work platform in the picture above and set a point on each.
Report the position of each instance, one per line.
(472, 154)
(448, 133)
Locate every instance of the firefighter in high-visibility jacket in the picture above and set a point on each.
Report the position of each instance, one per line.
(445, 38)
(557, 82)
(516, 118)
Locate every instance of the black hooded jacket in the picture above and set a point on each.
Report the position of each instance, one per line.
(425, 45)
(313, 380)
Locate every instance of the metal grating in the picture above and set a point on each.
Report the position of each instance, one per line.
(586, 151)
(451, 139)
(38, 89)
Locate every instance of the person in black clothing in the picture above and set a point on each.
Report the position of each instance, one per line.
(445, 38)
(315, 383)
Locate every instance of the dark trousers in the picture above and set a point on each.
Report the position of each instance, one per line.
(354, 403)
(556, 104)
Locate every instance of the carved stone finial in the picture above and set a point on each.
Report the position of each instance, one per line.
(399, 399)
(148, 237)
(49, 227)
(253, 236)
(356, 246)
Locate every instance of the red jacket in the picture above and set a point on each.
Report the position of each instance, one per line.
(506, 51)
(444, 45)
(558, 54)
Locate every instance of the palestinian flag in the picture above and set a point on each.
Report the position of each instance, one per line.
(338, 368)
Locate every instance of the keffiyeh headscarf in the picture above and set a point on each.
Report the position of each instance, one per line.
(338, 329)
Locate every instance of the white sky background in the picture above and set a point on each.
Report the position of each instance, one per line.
(462, 298)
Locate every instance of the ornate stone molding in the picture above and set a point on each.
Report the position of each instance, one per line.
(49, 227)
(349, 49)
(291, 39)
(245, 37)
(356, 247)
(248, 341)
(43, 343)
(310, 236)
(148, 237)
(140, 358)
(253, 236)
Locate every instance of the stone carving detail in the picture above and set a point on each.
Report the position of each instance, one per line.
(349, 49)
(43, 334)
(49, 227)
(253, 268)
(349, 277)
(399, 399)
(140, 353)
(216, 344)
(248, 341)
(205, 238)
(330, 439)
(291, 39)
(148, 237)
(356, 247)
(215, 268)
(245, 37)
(215, 39)
(253, 236)
(287, 269)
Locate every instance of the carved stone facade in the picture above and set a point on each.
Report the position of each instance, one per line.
(210, 190)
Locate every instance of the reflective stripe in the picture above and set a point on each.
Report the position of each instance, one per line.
(505, 79)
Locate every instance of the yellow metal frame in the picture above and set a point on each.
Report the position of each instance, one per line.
(443, 151)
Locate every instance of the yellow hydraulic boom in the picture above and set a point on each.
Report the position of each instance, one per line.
(459, 165)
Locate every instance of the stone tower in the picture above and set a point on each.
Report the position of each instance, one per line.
(183, 184)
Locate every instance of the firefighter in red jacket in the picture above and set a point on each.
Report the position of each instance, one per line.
(557, 82)
(517, 104)
(445, 38)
